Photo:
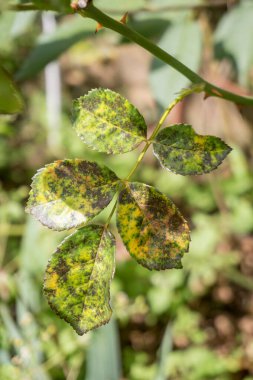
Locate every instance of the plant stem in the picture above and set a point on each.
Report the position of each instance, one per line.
(179, 98)
(210, 89)
(112, 212)
(139, 160)
(185, 92)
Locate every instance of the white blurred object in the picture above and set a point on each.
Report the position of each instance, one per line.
(52, 90)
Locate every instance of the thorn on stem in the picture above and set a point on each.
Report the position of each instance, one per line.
(123, 20)
(213, 92)
(217, 93)
(99, 26)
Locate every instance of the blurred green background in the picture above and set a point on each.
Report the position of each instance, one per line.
(190, 324)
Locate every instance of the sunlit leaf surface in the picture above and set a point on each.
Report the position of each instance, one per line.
(78, 277)
(107, 122)
(67, 193)
(181, 150)
(151, 227)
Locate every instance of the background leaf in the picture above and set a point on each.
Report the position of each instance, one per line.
(50, 47)
(103, 355)
(151, 227)
(78, 277)
(180, 149)
(164, 351)
(10, 99)
(235, 44)
(67, 193)
(184, 41)
(131, 5)
(107, 122)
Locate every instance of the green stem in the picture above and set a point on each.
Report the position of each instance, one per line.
(179, 98)
(112, 212)
(139, 160)
(210, 89)
(188, 91)
(114, 206)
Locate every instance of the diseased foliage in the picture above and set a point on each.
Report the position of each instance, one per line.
(180, 149)
(69, 193)
(107, 122)
(151, 227)
(78, 276)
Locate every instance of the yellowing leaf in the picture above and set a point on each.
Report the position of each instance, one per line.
(181, 150)
(67, 193)
(107, 122)
(78, 277)
(151, 227)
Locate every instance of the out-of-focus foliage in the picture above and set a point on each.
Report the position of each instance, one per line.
(207, 306)
(178, 41)
(50, 47)
(10, 99)
(227, 39)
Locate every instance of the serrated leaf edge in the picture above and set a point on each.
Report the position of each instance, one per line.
(226, 153)
(75, 327)
(183, 219)
(31, 210)
(142, 137)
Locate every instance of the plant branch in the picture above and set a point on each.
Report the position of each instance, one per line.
(210, 89)
(112, 212)
(179, 98)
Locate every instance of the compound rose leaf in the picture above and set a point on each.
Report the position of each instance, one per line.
(78, 277)
(181, 150)
(151, 227)
(107, 122)
(68, 193)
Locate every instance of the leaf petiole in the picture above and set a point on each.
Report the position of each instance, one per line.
(188, 91)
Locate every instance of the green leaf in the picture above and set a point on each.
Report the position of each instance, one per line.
(165, 349)
(54, 5)
(107, 122)
(235, 44)
(103, 357)
(67, 193)
(183, 39)
(78, 277)
(181, 150)
(119, 5)
(10, 98)
(50, 46)
(151, 227)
